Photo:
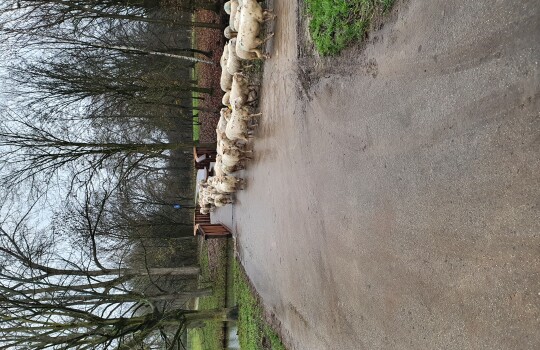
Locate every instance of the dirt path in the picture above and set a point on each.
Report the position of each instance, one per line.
(394, 202)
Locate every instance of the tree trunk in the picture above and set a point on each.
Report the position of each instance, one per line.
(155, 53)
(193, 317)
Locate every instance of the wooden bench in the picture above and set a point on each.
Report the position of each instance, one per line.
(209, 231)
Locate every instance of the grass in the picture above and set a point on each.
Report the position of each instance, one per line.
(253, 331)
(195, 102)
(214, 273)
(253, 68)
(334, 24)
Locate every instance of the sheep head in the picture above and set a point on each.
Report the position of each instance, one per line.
(229, 33)
(227, 7)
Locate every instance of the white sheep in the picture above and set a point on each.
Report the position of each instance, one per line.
(240, 124)
(235, 19)
(224, 56)
(239, 88)
(226, 143)
(205, 191)
(226, 183)
(238, 129)
(226, 100)
(220, 200)
(251, 18)
(220, 136)
(246, 46)
(255, 10)
(210, 197)
(229, 170)
(204, 211)
(234, 156)
(227, 7)
(241, 112)
(233, 62)
(225, 116)
(246, 55)
(234, 11)
(226, 80)
(218, 170)
(223, 142)
(226, 169)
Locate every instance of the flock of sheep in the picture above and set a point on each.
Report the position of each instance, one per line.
(236, 121)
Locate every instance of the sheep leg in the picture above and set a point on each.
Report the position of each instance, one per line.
(252, 96)
(241, 182)
(237, 145)
(246, 151)
(254, 119)
(266, 56)
(267, 38)
(268, 15)
(258, 53)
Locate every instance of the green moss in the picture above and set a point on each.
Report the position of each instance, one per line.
(253, 331)
(195, 103)
(334, 24)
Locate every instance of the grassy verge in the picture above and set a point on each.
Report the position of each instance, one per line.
(196, 126)
(214, 273)
(334, 24)
(253, 331)
(195, 95)
(217, 263)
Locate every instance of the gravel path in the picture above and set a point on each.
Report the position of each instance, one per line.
(394, 202)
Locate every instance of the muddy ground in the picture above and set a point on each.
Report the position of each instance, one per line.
(394, 202)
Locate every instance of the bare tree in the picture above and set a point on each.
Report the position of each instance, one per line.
(76, 76)
(58, 295)
(30, 149)
(33, 16)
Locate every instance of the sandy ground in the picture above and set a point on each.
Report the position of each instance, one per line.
(394, 202)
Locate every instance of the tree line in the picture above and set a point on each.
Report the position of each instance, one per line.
(96, 121)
